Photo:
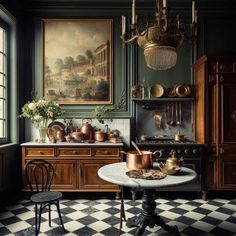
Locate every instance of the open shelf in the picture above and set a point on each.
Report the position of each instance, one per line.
(189, 99)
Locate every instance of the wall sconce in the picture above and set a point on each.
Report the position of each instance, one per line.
(160, 38)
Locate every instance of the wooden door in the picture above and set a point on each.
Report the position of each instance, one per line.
(65, 175)
(88, 177)
(227, 114)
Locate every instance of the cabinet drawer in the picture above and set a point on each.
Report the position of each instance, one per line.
(38, 152)
(115, 152)
(64, 152)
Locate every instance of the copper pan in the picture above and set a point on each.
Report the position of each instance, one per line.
(135, 161)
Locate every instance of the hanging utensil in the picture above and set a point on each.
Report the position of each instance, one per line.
(172, 122)
(179, 122)
(136, 147)
(168, 114)
(176, 113)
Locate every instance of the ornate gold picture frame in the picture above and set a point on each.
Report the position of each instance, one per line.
(78, 60)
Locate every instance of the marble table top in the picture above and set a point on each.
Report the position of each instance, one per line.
(71, 144)
(116, 173)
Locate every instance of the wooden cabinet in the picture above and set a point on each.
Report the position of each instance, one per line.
(215, 109)
(75, 165)
(89, 179)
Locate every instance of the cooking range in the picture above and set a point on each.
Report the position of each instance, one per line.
(190, 150)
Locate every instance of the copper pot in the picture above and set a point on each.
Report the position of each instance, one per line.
(134, 160)
(77, 136)
(180, 137)
(100, 136)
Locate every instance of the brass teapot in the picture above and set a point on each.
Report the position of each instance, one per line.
(173, 164)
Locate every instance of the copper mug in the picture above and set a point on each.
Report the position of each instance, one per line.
(135, 161)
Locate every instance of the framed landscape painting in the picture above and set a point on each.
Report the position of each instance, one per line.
(77, 61)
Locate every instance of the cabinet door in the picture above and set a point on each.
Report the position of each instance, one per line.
(89, 179)
(65, 175)
(227, 114)
(227, 173)
(211, 173)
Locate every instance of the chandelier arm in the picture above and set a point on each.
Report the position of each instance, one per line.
(130, 40)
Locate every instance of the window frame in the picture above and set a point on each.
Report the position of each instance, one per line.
(5, 26)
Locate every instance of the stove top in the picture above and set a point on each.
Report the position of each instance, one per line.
(165, 141)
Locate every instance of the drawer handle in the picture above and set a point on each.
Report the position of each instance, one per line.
(233, 115)
(222, 150)
(57, 174)
(40, 152)
(75, 153)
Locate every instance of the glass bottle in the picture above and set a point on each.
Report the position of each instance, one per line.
(144, 89)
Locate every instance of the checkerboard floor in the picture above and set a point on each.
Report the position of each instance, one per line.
(99, 217)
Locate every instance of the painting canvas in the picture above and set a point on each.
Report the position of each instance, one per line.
(78, 61)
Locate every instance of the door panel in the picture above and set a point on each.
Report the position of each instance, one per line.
(228, 108)
(89, 178)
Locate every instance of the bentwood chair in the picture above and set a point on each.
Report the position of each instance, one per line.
(39, 175)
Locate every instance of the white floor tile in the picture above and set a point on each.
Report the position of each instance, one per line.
(218, 215)
(203, 226)
(194, 215)
(18, 226)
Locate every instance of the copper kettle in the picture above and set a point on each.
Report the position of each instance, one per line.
(87, 129)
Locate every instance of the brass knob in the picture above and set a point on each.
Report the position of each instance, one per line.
(222, 150)
(75, 152)
(221, 79)
(40, 152)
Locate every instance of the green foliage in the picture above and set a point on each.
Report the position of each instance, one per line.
(101, 112)
(41, 110)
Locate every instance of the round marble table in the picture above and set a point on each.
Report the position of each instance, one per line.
(116, 173)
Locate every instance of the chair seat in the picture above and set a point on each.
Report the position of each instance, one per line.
(44, 197)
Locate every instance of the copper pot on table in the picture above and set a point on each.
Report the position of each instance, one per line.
(135, 161)
(100, 136)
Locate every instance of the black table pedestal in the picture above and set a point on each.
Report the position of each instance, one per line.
(149, 217)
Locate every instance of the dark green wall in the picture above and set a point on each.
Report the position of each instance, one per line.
(216, 35)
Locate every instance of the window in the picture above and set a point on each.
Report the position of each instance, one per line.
(3, 84)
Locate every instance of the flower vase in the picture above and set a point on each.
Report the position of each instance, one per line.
(42, 134)
(42, 129)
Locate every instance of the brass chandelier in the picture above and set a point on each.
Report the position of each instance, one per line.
(160, 38)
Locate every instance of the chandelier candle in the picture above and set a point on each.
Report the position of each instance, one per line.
(123, 25)
(133, 13)
(193, 11)
(164, 3)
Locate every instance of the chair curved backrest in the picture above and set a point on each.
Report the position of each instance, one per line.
(39, 175)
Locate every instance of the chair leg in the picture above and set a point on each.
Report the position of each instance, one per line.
(40, 213)
(59, 214)
(49, 214)
(36, 219)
